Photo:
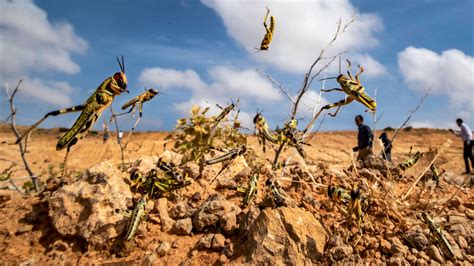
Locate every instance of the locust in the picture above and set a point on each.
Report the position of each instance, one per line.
(290, 135)
(339, 194)
(267, 39)
(138, 102)
(279, 196)
(136, 217)
(223, 114)
(411, 160)
(263, 131)
(90, 111)
(232, 154)
(435, 174)
(354, 91)
(168, 169)
(251, 189)
(438, 234)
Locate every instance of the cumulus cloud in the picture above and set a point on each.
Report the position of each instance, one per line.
(449, 73)
(302, 29)
(30, 44)
(227, 83)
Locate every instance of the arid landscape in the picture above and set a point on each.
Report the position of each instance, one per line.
(37, 229)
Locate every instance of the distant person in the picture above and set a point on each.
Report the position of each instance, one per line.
(466, 136)
(364, 139)
(106, 136)
(120, 135)
(387, 145)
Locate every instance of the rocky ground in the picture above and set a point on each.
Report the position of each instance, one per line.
(80, 219)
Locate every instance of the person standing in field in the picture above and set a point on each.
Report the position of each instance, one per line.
(365, 139)
(466, 135)
(387, 146)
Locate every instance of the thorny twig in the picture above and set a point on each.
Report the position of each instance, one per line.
(309, 76)
(22, 148)
(408, 118)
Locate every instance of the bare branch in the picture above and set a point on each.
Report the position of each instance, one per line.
(276, 84)
(408, 118)
(22, 148)
(309, 76)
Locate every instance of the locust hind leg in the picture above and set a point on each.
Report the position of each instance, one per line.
(66, 156)
(348, 69)
(339, 104)
(140, 114)
(265, 21)
(360, 72)
(52, 113)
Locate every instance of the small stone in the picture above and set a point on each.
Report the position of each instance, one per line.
(150, 205)
(398, 248)
(183, 226)
(218, 242)
(223, 258)
(225, 183)
(385, 246)
(196, 196)
(24, 229)
(181, 210)
(228, 223)
(397, 261)
(229, 250)
(163, 249)
(149, 259)
(175, 244)
(434, 253)
(194, 253)
(462, 242)
(417, 240)
(340, 252)
(454, 203)
(421, 262)
(205, 241)
(162, 209)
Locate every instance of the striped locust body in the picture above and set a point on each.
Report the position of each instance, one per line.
(435, 174)
(339, 194)
(267, 39)
(223, 114)
(279, 196)
(136, 217)
(410, 161)
(138, 101)
(292, 137)
(438, 234)
(354, 91)
(232, 154)
(263, 131)
(168, 170)
(251, 190)
(90, 110)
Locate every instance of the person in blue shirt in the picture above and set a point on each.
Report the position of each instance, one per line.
(387, 146)
(365, 139)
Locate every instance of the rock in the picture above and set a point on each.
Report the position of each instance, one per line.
(183, 226)
(398, 248)
(149, 259)
(243, 174)
(421, 262)
(340, 252)
(181, 210)
(335, 240)
(397, 261)
(385, 246)
(163, 249)
(285, 236)
(377, 163)
(452, 178)
(205, 242)
(223, 258)
(247, 220)
(226, 184)
(228, 223)
(462, 242)
(212, 211)
(162, 209)
(229, 250)
(144, 164)
(417, 240)
(218, 242)
(172, 157)
(434, 253)
(334, 173)
(369, 174)
(87, 207)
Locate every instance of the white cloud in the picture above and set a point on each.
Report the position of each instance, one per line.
(430, 124)
(302, 29)
(47, 91)
(30, 44)
(449, 73)
(227, 83)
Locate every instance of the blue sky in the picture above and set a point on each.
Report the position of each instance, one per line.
(202, 52)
